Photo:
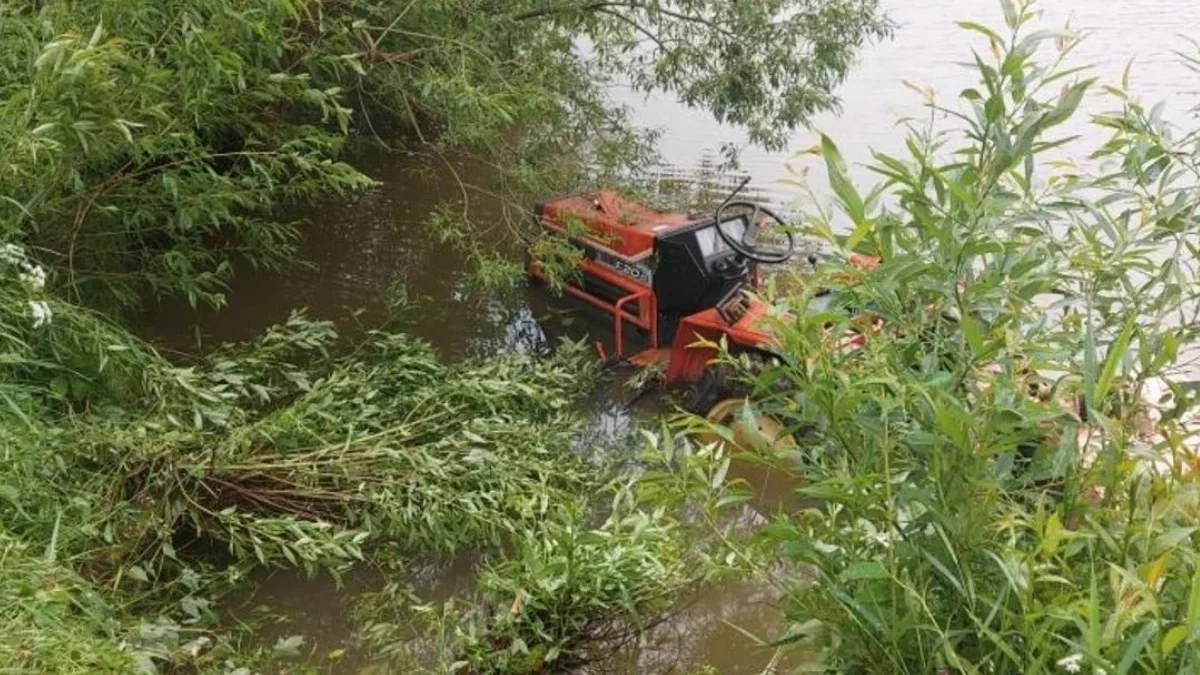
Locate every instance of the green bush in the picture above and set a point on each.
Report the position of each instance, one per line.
(576, 586)
(572, 592)
(999, 491)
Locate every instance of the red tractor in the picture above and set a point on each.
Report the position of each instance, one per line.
(680, 280)
(683, 280)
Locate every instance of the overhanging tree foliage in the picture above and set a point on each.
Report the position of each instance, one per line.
(143, 142)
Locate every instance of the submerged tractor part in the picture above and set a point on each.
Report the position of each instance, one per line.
(722, 397)
(756, 443)
(749, 431)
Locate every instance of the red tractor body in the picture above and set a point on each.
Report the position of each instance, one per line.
(680, 279)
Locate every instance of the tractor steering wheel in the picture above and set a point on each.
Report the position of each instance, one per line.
(748, 245)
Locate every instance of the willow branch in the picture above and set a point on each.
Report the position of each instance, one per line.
(637, 26)
(546, 10)
(600, 5)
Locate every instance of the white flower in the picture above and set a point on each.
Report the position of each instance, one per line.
(1071, 663)
(40, 312)
(196, 646)
(12, 254)
(33, 277)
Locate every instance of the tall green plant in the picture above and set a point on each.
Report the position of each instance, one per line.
(997, 494)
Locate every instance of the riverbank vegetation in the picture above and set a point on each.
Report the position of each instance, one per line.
(134, 500)
(144, 150)
(1006, 469)
(1001, 479)
(145, 143)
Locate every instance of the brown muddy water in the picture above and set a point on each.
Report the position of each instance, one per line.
(367, 251)
(361, 256)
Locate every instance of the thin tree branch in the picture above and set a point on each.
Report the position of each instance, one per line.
(546, 10)
(600, 5)
(637, 26)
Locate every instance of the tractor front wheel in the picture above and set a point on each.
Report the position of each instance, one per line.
(754, 432)
(720, 395)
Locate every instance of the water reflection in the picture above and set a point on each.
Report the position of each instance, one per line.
(369, 262)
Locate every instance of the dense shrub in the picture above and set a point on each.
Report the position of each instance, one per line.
(1006, 468)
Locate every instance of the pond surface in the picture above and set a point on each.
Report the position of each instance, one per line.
(368, 250)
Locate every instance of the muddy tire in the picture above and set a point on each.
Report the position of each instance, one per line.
(722, 381)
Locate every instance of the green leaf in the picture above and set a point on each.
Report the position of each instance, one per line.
(945, 572)
(1173, 537)
(1193, 615)
(97, 34)
(973, 334)
(982, 29)
(839, 181)
(1112, 360)
(1135, 646)
(732, 500)
(867, 569)
(289, 647)
(1173, 638)
(994, 108)
(795, 633)
(1067, 104)
(1011, 18)
(861, 612)
(861, 230)
(1053, 534)
(719, 475)
(51, 554)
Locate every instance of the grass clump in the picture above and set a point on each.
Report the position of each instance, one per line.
(52, 621)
